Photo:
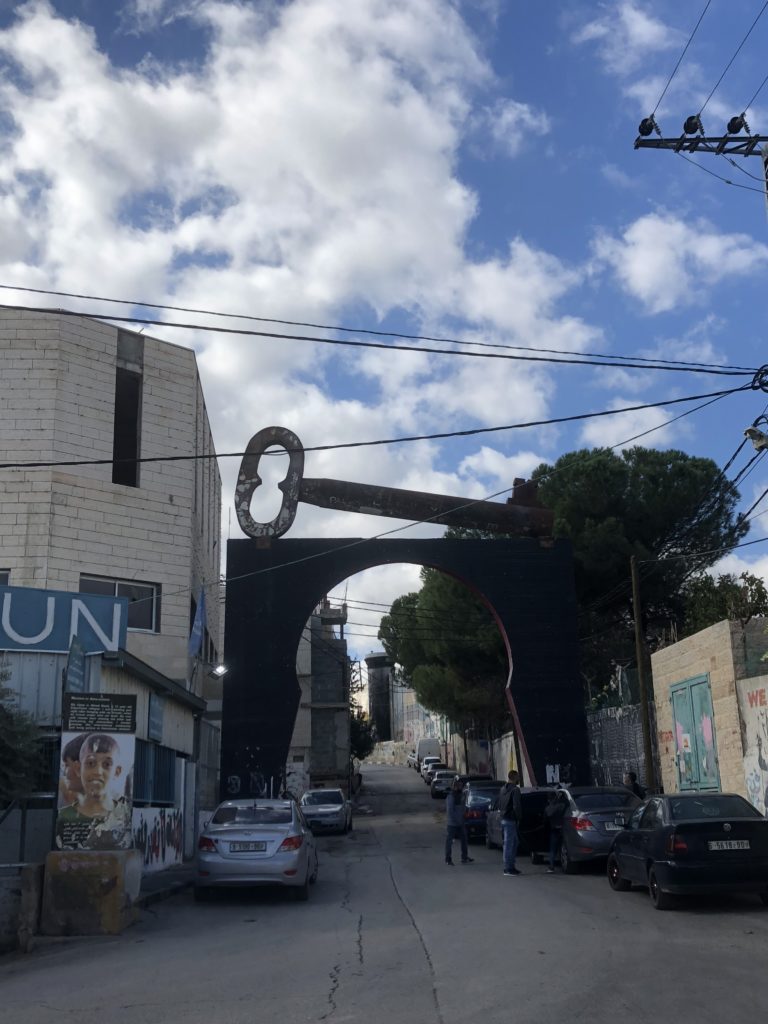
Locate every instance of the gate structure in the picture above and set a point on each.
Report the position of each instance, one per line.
(273, 585)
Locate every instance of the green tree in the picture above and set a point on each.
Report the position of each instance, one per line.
(707, 600)
(20, 756)
(361, 739)
(450, 651)
(674, 512)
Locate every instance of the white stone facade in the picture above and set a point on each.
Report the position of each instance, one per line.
(57, 403)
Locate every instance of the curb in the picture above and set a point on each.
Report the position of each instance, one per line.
(146, 899)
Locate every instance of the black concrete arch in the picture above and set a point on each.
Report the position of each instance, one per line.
(273, 587)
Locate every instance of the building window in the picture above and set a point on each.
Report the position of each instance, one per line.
(144, 598)
(5, 577)
(126, 446)
(154, 774)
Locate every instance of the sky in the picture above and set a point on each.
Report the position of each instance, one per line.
(434, 167)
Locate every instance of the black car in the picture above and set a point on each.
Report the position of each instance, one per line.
(534, 827)
(479, 796)
(692, 843)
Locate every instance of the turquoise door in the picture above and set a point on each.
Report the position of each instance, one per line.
(695, 742)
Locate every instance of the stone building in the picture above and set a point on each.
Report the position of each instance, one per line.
(76, 390)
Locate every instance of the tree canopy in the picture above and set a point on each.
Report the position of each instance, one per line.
(675, 512)
(450, 650)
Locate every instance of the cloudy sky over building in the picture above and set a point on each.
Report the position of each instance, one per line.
(428, 167)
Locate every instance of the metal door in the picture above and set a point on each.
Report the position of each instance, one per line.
(695, 743)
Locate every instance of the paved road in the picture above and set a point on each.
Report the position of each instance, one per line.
(392, 934)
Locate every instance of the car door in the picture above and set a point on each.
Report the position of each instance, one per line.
(635, 843)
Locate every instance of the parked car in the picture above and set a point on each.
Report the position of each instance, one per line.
(479, 796)
(411, 760)
(426, 763)
(692, 843)
(534, 827)
(436, 766)
(261, 842)
(593, 817)
(441, 783)
(327, 810)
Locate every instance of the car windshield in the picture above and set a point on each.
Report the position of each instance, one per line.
(329, 797)
(715, 806)
(482, 794)
(443, 775)
(435, 767)
(605, 801)
(253, 814)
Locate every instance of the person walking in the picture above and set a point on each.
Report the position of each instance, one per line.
(554, 813)
(510, 806)
(455, 827)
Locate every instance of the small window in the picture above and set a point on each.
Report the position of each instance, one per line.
(144, 599)
(5, 576)
(154, 774)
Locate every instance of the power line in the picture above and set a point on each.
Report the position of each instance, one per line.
(680, 58)
(733, 58)
(348, 330)
(757, 93)
(349, 343)
(727, 181)
(714, 395)
(711, 551)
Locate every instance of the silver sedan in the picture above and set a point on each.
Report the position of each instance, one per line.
(256, 842)
(327, 810)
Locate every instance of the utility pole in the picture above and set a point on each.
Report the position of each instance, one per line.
(645, 717)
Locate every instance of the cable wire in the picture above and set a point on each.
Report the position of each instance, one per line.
(733, 58)
(349, 343)
(727, 181)
(680, 58)
(714, 396)
(354, 330)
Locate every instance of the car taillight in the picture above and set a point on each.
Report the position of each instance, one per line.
(675, 845)
(473, 814)
(291, 843)
(206, 844)
(582, 824)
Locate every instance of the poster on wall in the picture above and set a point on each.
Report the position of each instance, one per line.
(753, 711)
(95, 784)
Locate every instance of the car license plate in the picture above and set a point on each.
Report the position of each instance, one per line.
(728, 844)
(611, 826)
(247, 847)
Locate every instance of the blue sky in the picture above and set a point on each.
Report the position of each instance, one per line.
(448, 168)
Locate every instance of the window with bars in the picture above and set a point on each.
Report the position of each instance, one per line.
(154, 774)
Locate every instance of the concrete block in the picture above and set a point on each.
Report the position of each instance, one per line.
(90, 892)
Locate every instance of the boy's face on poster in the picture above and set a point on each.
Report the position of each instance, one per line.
(72, 773)
(97, 770)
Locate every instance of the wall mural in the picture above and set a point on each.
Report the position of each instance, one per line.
(159, 833)
(753, 712)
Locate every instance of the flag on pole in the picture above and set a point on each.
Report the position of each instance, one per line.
(198, 627)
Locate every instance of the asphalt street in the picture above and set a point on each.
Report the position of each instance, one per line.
(393, 934)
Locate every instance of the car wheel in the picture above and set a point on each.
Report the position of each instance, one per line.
(351, 825)
(568, 865)
(313, 876)
(615, 880)
(301, 894)
(661, 900)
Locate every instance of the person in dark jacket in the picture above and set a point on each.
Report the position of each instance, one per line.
(630, 781)
(511, 808)
(554, 813)
(455, 827)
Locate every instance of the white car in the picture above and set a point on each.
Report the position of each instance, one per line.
(426, 763)
(327, 810)
(256, 842)
(412, 761)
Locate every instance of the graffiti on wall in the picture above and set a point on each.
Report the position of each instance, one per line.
(159, 833)
(753, 712)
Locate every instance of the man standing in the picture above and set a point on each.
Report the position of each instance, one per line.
(510, 806)
(630, 781)
(455, 827)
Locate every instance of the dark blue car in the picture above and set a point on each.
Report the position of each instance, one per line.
(692, 843)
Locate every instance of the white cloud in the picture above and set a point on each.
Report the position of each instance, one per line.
(500, 470)
(615, 176)
(667, 262)
(508, 121)
(618, 431)
(626, 34)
